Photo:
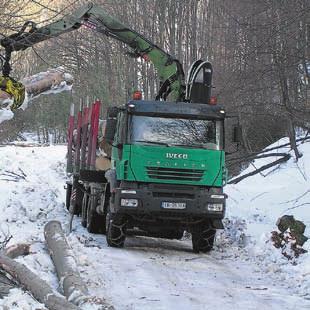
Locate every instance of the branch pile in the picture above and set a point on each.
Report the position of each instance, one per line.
(281, 158)
(290, 238)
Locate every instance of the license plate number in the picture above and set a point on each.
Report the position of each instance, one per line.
(173, 205)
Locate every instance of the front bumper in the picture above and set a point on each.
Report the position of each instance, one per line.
(152, 198)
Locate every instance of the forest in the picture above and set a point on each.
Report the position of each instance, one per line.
(259, 51)
(202, 205)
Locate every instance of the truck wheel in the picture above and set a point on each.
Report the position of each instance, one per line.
(203, 239)
(116, 229)
(102, 203)
(68, 195)
(95, 223)
(84, 210)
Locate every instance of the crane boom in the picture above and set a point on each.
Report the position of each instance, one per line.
(170, 71)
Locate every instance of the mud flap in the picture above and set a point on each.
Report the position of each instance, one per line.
(76, 197)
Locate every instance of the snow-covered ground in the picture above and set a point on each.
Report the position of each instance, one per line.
(243, 272)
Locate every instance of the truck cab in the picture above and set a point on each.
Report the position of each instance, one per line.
(168, 171)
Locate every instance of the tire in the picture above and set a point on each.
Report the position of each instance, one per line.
(84, 210)
(115, 230)
(79, 200)
(95, 223)
(203, 239)
(68, 195)
(103, 225)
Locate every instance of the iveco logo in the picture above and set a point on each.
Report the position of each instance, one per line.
(176, 156)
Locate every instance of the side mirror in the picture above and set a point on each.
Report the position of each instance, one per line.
(233, 134)
(237, 134)
(110, 130)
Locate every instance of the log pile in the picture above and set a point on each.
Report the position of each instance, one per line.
(39, 289)
(75, 290)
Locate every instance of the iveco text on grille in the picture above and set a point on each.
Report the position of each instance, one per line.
(175, 156)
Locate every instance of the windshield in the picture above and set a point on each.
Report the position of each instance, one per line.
(176, 132)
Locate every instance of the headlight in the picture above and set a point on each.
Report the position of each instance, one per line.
(129, 203)
(215, 207)
(218, 196)
(128, 191)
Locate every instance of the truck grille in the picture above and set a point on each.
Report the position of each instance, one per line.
(173, 195)
(174, 174)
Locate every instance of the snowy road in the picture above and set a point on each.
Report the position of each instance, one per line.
(148, 273)
(162, 274)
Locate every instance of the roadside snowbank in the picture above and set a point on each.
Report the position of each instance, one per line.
(259, 201)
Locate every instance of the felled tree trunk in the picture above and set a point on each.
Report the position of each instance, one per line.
(49, 82)
(16, 250)
(13, 251)
(40, 290)
(284, 157)
(74, 288)
(72, 284)
(54, 80)
(5, 285)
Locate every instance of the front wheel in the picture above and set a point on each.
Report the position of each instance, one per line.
(115, 230)
(203, 239)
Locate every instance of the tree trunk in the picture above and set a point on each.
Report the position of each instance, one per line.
(285, 157)
(40, 290)
(53, 80)
(72, 284)
(292, 137)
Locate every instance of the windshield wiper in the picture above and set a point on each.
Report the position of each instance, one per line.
(153, 142)
(207, 146)
(191, 145)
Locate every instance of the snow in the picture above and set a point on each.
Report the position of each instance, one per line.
(19, 300)
(243, 272)
(5, 115)
(261, 200)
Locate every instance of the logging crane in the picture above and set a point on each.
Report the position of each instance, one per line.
(94, 17)
(167, 154)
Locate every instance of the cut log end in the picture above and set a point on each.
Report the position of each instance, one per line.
(16, 250)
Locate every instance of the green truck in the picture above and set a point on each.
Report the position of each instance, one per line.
(167, 155)
(168, 171)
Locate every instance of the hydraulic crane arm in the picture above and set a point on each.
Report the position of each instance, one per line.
(169, 69)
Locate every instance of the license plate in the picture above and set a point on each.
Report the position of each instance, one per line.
(173, 205)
